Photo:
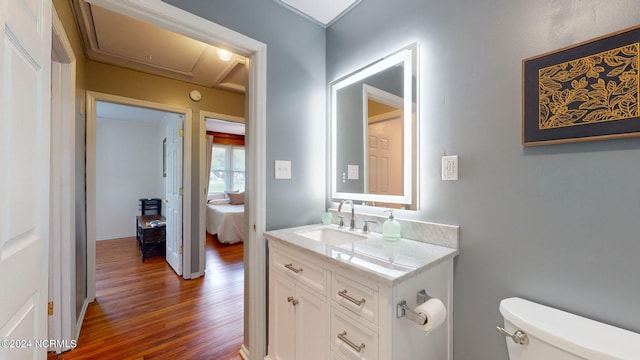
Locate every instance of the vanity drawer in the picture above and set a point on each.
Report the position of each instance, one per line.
(356, 297)
(352, 339)
(299, 267)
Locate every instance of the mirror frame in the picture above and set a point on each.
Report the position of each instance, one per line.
(408, 57)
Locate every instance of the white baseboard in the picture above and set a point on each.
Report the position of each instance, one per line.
(83, 311)
(244, 353)
(196, 275)
(117, 236)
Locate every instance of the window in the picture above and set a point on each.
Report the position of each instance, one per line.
(227, 169)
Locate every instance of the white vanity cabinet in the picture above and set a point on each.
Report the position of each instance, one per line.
(298, 310)
(333, 302)
(354, 315)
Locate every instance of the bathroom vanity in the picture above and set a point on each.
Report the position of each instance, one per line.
(334, 294)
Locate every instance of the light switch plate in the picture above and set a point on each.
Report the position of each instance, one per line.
(450, 167)
(283, 169)
(354, 172)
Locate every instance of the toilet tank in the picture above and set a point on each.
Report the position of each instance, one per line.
(558, 335)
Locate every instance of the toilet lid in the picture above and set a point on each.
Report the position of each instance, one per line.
(572, 333)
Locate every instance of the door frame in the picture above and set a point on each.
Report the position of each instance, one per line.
(204, 178)
(65, 323)
(171, 18)
(91, 98)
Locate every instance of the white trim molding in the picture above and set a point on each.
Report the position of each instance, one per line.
(93, 97)
(168, 17)
(63, 324)
(204, 179)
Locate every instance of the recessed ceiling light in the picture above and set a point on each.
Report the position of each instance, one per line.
(225, 55)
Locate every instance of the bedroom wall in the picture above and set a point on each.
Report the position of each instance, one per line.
(129, 167)
(555, 224)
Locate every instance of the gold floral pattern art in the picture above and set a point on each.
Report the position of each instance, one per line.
(593, 89)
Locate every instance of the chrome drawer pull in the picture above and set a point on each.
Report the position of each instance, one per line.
(343, 294)
(290, 267)
(343, 336)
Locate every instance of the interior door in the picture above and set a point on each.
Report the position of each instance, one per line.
(25, 97)
(385, 157)
(173, 199)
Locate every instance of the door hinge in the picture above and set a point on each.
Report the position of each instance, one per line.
(180, 250)
(180, 191)
(181, 133)
(50, 308)
(254, 228)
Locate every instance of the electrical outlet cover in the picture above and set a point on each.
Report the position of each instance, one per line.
(354, 172)
(450, 167)
(283, 169)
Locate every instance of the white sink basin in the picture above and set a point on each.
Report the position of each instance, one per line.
(331, 236)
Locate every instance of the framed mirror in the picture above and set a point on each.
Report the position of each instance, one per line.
(373, 133)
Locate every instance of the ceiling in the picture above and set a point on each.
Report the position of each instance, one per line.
(323, 12)
(119, 40)
(223, 126)
(122, 41)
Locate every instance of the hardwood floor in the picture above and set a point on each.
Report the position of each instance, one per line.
(145, 311)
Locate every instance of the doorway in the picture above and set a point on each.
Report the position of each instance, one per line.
(139, 157)
(93, 195)
(224, 177)
(173, 19)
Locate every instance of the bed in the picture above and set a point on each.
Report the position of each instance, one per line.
(226, 221)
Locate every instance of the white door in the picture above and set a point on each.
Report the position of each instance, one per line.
(25, 96)
(385, 157)
(173, 199)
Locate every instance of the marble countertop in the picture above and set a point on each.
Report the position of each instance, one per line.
(372, 256)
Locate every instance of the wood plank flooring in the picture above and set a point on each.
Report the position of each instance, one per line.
(145, 311)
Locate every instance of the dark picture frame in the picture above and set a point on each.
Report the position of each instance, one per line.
(164, 157)
(584, 92)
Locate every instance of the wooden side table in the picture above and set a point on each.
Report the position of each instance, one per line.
(151, 236)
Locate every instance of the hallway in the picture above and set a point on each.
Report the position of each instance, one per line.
(145, 311)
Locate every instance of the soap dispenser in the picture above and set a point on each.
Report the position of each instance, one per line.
(391, 228)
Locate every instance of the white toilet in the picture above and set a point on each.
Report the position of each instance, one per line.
(544, 333)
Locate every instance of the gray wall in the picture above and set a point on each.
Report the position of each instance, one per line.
(554, 224)
(296, 86)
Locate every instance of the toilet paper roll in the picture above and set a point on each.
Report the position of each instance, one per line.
(435, 311)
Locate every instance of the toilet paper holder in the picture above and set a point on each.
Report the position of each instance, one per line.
(403, 310)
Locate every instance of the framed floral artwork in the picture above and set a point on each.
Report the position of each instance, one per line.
(585, 92)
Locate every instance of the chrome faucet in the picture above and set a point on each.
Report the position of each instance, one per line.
(352, 225)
